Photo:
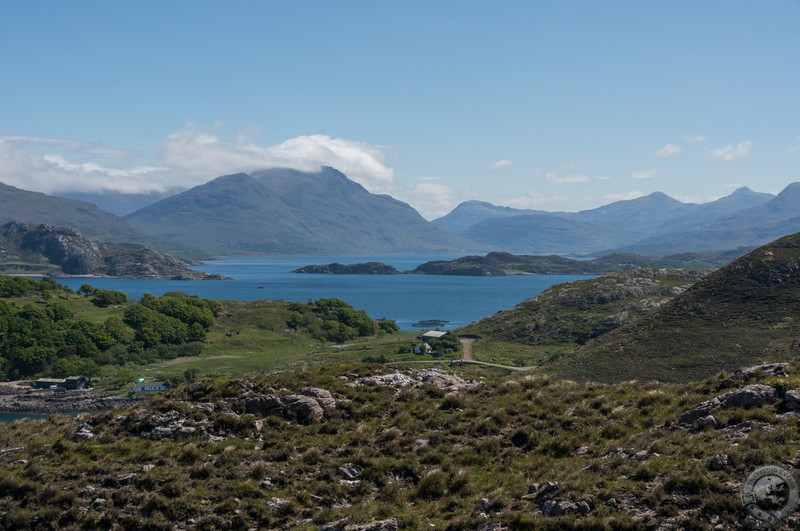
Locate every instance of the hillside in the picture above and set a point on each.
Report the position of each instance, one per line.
(44, 249)
(355, 448)
(33, 207)
(284, 211)
(565, 316)
(742, 314)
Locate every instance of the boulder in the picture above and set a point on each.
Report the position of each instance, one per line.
(748, 396)
(350, 470)
(720, 462)
(558, 507)
(375, 525)
(264, 405)
(304, 408)
(323, 396)
(792, 398)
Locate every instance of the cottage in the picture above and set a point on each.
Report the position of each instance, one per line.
(423, 348)
(139, 387)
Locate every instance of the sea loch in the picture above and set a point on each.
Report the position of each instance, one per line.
(405, 299)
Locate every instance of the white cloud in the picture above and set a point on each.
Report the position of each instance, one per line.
(730, 152)
(500, 164)
(432, 200)
(795, 148)
(645, 174)
(186, 158)
(668, 150)
(697, 138)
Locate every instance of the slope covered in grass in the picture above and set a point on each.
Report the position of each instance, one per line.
(743, 314)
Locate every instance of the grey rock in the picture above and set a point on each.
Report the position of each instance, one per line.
(147, 468)
(583, 507)
(792, 398)
(350, 470)
(277, 504)
(483, 503)
(375, 525)
(720, 462)
(305, 408)
(264, 405)
(770, 368)
(20, 462)
(99, 501)
(323, 396)
(707, 421)
(350, 482)
(748, 396)
(556, 507)
(184, 431)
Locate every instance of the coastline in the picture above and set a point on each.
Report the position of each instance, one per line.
(23, 400)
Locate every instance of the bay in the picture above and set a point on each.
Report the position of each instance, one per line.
(405, 299)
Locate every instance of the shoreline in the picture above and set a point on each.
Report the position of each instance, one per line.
(45, 401)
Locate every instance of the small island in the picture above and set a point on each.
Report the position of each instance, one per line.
(498, 264)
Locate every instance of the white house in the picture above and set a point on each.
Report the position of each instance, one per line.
(139, 387)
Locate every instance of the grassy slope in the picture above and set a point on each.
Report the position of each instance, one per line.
(565, 316)
(428, 458)
(740, 315)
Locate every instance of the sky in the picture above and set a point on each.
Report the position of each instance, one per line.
(551, 105)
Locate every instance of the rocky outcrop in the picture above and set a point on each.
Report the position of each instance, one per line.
(308, 406)
(437, 377)
(75, 254)
(18, 400)
(744, 397)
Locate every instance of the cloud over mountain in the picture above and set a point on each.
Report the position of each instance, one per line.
(184, 159)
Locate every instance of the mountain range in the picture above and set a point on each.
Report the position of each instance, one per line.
(655, 225)
(283, 211)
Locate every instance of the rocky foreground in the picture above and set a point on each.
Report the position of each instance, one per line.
(23, 400)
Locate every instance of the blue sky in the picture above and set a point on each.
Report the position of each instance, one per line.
(553, 105)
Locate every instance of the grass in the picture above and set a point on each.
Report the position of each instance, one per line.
(429, 456)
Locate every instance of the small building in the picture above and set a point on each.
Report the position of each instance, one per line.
(431, 334)
(140, 387)
(423, 348)
(61, 384)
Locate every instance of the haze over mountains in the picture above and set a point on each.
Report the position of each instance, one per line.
(283, 211)
(654, 225)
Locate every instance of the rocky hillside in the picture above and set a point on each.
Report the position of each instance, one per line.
(566, 316)
(356, 448)
(742, 314)
(45, 249)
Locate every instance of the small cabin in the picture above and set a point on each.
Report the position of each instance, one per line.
(423, 348)
(140, 387)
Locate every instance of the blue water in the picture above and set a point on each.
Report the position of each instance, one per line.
(405, 299)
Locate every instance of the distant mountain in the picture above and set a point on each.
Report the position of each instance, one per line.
(118, 203)
(546, 234)
(655, 224)
(34, 207)
(470, 213)
(283, 211)
(752, 226)
(738, 316)
(45, 249)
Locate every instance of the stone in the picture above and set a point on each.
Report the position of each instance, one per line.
(483, 503)
(277, 504)
(556, 507)
(305, 408)
(350, 470)
(376, 525)
(748, 396)
(99, 501)
(583, 450)
(707, 422)
(323, 396)
(792, 398)
(770, 368)
(147, 468)
(264, 405)
(583, 507)
(720, 462)
(443, 380)
(20, 462)
(184, 431)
